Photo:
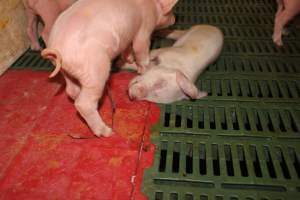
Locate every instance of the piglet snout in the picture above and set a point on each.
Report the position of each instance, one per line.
(131, 96)
(136, 92)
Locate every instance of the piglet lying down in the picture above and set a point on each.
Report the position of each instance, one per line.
(173, 70)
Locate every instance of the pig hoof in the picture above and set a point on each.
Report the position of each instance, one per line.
(35, 47)
(141, 70)
(202, 94)
(104, 131)
(130, 59)
(277, 41)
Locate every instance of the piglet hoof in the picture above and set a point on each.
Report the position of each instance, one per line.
(202, 94)
(35, 47)
(279, 45)
(105, 131)
(130, 59)
(277, 41)
(141, 70)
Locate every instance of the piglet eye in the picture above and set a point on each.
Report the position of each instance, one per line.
(155, 60)
(133, 82)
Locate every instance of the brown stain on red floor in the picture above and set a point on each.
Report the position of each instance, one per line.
(53, 164)
(133, 130)
(118, 160)
(47, 164)
(82, 188)
(48, 143)
(115, 161)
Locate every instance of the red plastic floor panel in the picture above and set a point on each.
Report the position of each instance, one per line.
(38, 160)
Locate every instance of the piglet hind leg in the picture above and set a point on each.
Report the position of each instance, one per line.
(86, 103)
(48, 15)
(32, 30)
(72, 88)
(188, 88)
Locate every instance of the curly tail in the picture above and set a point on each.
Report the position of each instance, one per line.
(55, 57)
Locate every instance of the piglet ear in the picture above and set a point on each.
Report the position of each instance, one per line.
(188, 87)
(167, 5)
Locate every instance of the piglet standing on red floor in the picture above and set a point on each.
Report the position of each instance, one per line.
(90, 34)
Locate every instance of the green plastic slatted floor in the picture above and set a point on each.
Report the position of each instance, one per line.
(243, 140)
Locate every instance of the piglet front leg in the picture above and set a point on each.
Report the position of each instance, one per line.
(127, 55)
(72, 87)
(141, 46)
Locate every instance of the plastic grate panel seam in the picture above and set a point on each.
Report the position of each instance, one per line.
(242, 141)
